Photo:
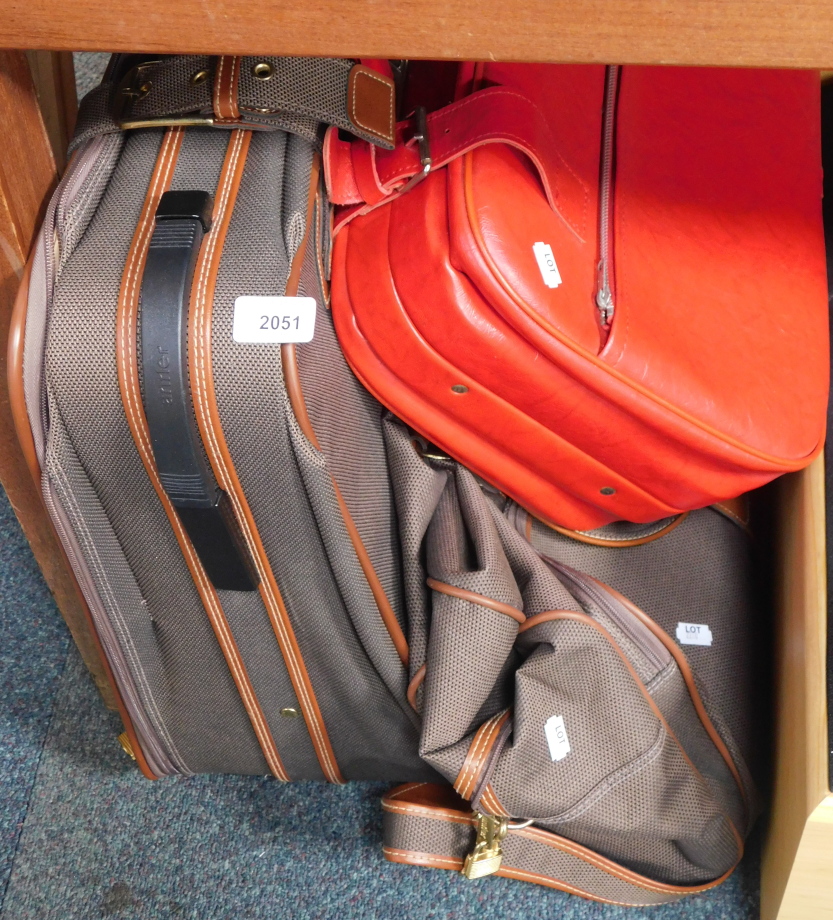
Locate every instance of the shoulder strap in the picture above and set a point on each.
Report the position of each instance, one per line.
(286, 93)
(430, 825)
(363, 177)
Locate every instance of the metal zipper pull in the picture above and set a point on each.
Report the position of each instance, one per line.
(487, 854)
(604, 295)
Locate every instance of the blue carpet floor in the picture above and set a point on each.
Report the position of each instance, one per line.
(84, 836)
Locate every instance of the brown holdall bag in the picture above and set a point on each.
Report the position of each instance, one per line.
(315, 593)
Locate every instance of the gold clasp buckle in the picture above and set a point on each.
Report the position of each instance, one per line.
(487, 855)
(135, 85)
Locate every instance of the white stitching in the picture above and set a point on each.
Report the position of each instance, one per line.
(410, 811)
(201, 390)
(386, 84)
(409, 788)
(472, 768)
(232, 102)
(425, 858)
(218, 77)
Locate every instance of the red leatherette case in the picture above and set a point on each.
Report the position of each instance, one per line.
(608, 295)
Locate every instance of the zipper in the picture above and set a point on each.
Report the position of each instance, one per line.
(154, 750)
(155, 753)
(73, 180)
(651, 647)
(604, 293)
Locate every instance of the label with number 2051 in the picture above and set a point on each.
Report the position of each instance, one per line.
(274, 319)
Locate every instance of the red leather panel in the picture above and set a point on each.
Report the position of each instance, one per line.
(723, 241)
(681, 407)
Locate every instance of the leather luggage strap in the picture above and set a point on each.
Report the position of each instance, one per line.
(429, 825)
(213, 438)
(260, 93)
(363, 177)
(128, 375)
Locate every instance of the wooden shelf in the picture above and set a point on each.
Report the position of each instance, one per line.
(748, 33)
(796, 876)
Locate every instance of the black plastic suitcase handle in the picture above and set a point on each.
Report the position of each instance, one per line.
(182, 219)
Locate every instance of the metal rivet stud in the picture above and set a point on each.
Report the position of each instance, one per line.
(459, 388)
(199, 77)
(607, 490)
(289, 712)
(262, 71)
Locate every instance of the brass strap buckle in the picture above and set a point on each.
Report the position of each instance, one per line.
(424, 147)
(135, 85)
(487, 855)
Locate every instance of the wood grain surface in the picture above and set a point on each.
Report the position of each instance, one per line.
(796, 882)
(27, 176)
(786, 33)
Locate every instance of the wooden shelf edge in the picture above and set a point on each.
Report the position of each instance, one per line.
(761, 33)
(800, 777)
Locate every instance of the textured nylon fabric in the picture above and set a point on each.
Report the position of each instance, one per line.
(200, 160)
(361, 690)
(196, 700)
(463, 548)
(407, 833)
(71, 206)
(700, 572)
(625, 787)
(348, 425)
(417, 489)
(73, 212)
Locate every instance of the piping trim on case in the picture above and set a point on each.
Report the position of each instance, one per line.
(134, 411)
(294, 390)
(465, 595)
(208, 419)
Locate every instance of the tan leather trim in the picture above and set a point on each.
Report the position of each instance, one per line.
(478, 754)
(481, 599)
(294, 390)
(433, 798)
(294, 278)
(581, 537)
(128, 373)
(431, 860)
(427, 800)
(322, 273)
(415, 684)
(226, 79)
(17, 396)
(371, 102)
(200, 364)
(492, 803)
(543, 617)
(560, 885)
(607, 865)
(550, 615)
(688, 677)
(736, 509)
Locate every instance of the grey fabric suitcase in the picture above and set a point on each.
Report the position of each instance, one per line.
(321, 595)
